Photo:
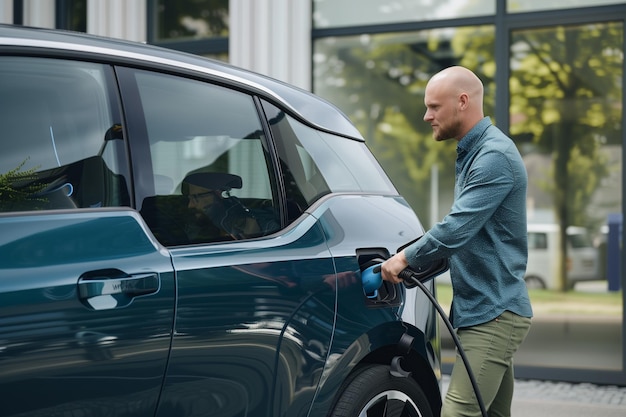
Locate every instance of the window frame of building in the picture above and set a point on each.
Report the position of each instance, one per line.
(213, 47)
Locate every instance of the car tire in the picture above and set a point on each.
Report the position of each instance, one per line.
(533, 282)
(372, 391)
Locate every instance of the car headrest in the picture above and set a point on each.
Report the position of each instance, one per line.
(214, 180)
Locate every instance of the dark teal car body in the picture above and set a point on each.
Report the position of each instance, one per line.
(110, 308)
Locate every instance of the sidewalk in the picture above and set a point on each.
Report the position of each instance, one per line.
(559, 399)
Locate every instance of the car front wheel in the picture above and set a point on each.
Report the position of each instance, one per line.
(372, 391)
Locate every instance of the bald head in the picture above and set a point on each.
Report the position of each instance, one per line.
(454, 102)
(461, 80)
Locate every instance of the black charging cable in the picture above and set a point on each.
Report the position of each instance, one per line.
(408, 275)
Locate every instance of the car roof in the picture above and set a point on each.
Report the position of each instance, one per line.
(542, 227)
(553, 227)
(305, 106)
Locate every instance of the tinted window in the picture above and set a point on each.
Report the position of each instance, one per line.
(315, 163)
(302, 178)
(209, 162)
(346, 164)
(62, 144)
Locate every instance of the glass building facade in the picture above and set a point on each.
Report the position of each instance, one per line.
(554, 80)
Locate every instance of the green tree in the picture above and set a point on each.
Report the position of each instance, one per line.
(566, 97)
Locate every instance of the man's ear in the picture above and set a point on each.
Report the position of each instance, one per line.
(463, 101)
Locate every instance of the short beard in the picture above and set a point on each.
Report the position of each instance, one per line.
(450, 132)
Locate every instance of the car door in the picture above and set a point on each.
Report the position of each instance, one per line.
(255, 306)
(86, 293)
(253, 326)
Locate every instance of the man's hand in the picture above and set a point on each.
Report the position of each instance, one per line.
(392, 267)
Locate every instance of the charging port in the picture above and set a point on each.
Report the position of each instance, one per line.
(387, 295)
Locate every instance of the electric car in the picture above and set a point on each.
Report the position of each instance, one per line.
(180, 237)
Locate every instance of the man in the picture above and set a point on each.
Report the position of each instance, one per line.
(485, 237)
(209, 196)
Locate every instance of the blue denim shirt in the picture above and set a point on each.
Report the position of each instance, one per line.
(485, 233)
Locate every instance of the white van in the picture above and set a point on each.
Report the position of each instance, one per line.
(544, 253)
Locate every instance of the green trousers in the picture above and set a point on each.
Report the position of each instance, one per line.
(489, 348)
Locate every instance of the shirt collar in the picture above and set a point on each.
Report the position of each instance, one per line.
(468, 141)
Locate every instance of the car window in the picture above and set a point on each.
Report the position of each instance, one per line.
(209, 161)
(579, 240)
(316, 163)
(537, 240)
(62, 142)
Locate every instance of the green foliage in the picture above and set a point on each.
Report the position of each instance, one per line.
(565, 97)
(17, 188)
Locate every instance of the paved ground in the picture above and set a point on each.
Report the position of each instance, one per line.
(560, 399)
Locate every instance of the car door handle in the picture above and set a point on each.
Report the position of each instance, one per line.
(131, 286)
